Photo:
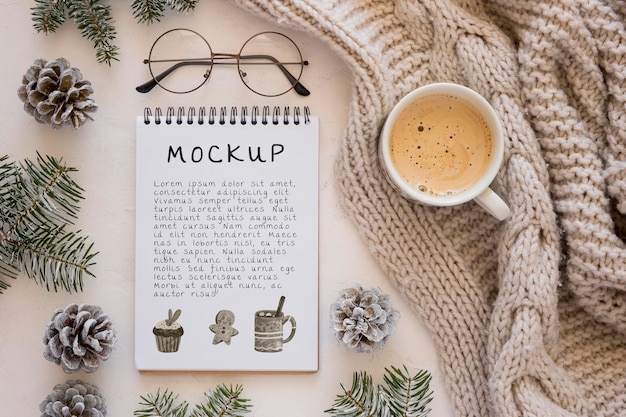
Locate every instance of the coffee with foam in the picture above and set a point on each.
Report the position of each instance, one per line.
(441, 144)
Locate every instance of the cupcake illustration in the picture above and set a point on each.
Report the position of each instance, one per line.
(168, 332)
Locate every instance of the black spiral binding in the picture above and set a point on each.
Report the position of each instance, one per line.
(223, 115)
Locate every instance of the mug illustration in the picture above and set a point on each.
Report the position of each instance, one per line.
(269, 329)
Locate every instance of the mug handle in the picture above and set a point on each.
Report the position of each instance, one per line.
(493, 204)
(291, 320)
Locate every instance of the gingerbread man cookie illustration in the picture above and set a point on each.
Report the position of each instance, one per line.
(223, 327)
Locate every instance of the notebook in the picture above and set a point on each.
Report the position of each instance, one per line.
(227, 240)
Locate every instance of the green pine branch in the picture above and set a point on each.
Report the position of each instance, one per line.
(225, 401)
(48, 15)
(407, 395)
(95, 20)
(363, 399)
(38, 200)
(161, 404)
(402, 396)
(150, 11)
(96, 23)
(92, 17)
(183, 6)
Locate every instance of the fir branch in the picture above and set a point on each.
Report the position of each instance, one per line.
(148, 11)
(161, 405)
(48, 15)
(9, 175)
(407, 396)
(224, 401)
(182, 6)
(362, 400)
(48, 191)
(95, 20)
(8, 178)
(403, 396)
(96, 23)
(56, 259)
(37, 202)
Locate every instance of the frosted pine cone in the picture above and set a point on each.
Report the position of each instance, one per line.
(74, 399)
(363, 319)
(79, 336)
(55, 93)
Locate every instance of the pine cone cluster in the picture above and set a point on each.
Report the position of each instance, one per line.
(79, 337)
(74, 399)
(55, 93)
(363, 318)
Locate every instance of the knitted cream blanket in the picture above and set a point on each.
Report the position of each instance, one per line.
(529, 314)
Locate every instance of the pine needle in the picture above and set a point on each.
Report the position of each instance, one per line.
(38, 201)
(95, 19)
(161, 405)
(225, 401)
(401, 396)
(48, 15)
(183, 6)
(406, 395)
(363, 399)
(148, 11)
(95, 22)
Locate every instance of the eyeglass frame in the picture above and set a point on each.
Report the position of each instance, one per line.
(221, 58)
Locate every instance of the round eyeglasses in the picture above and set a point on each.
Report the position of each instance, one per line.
(269, 63)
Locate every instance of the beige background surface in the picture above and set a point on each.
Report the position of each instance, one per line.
(103, 151)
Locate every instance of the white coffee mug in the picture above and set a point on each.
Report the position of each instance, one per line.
(478, 190)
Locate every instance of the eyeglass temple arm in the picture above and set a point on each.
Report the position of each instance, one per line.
(149, 85)
(297, 86)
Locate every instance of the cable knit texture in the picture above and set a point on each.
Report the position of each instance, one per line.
(529, 314)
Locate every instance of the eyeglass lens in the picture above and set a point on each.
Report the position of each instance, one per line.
(180, 60)
(269, 63)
